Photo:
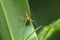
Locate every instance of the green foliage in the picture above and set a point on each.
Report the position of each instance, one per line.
(12, 26)
(50, 32)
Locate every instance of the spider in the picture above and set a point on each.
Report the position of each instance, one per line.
(27, 19)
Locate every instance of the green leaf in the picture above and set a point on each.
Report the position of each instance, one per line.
(12, 22)
(51, 32)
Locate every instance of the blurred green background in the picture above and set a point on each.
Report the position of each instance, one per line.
(44, 12)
